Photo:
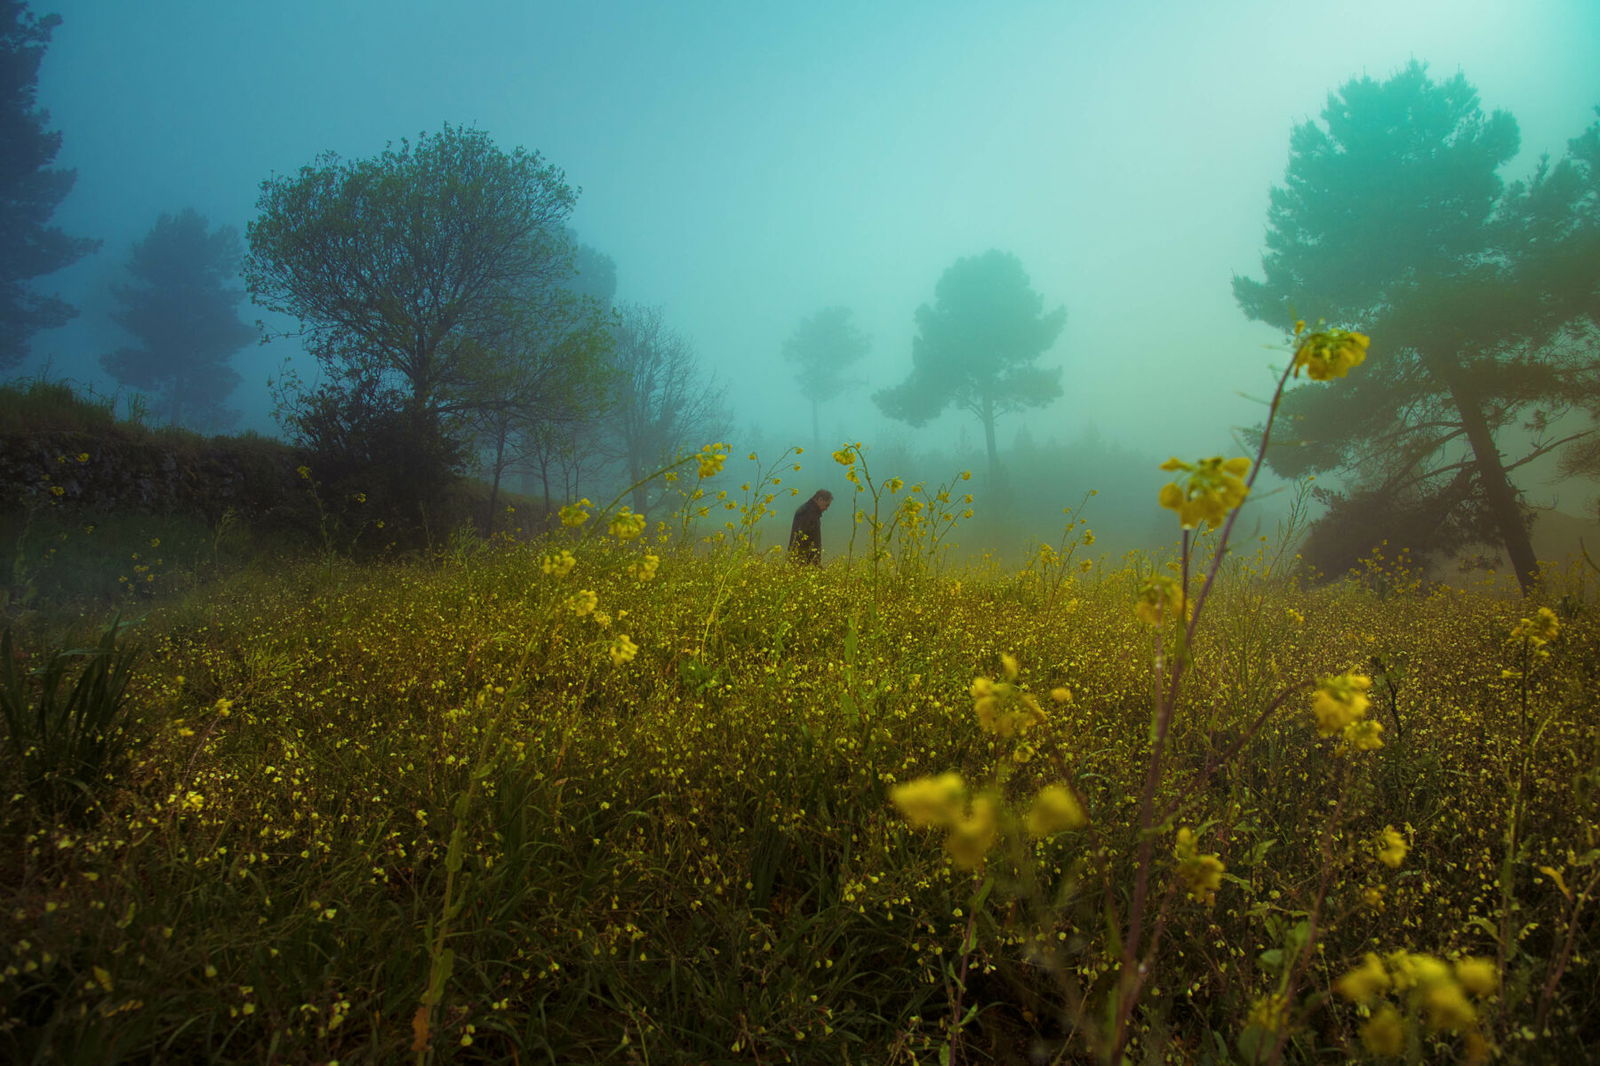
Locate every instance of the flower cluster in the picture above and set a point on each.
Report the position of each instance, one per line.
(1340, 706)
(973, 821)
(1392, 847)
(1329, 353)
(1213, 487)
(558, 563)
(942, 803)
(1001, 706)
(645, 568)
(1201, 875)
(1429, 989)
(573, 514)
(710, 458)
(627, 525)
(622, 650)
(1539, 630)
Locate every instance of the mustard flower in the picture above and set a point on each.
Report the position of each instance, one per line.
(1213, 487)
(559, 563)
(972, 835)
(645, 569)
(1340, 701)
(1364, 735)
(1330, 353)
(1477, 976)
(1002, 708)
(1392, 847)
(931, 801)
(844, 456)
(627, 525)
(581, 603)
(1161, 600)
(711, 458)
(1054, 809)
(622, 650)
(573, 514)
(1364, 983)
(1384, 1033)
(1539, 630)
(1200, 874)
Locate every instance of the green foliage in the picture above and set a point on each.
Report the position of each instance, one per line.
(68, 738)
(426, 278)
(1393, 219)
(976, 347)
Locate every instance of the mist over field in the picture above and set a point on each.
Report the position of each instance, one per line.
(746, 166)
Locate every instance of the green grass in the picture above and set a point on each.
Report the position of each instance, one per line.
(691, 857)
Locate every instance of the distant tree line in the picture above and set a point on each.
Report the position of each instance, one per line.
(459, 325)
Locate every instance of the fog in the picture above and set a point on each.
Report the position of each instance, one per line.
(746, 164)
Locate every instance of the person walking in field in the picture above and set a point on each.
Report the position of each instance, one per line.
(805, 536)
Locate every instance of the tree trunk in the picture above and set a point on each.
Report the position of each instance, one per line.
(1497, 488)
(816, 435)
(987, 416)
(494, 485)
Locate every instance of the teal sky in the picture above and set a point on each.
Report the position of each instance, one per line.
(747, 163)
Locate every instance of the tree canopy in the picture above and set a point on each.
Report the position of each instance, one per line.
(433, 277)
(407, 264)
(181, 307)
(30, 189)
(1393, 219)
(822, 349)
(976, 347)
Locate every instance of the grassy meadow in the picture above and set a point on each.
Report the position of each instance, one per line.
(616, 794)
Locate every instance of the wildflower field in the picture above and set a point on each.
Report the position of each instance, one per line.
(618, 796)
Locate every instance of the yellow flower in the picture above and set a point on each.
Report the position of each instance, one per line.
(1392, 847)
(645, 569)
(1061, 695)
(1054, 809)
(1477, 976)
(1331, 353)
(1339, 701)
(1269, 1012)
(622, 650)
(1365, 735)
(1539, 630)
(83, 457)
(844, 456)
(972, 835)
(1201, 874)
(1447, 1006)
(627, 525)
(573, 514)
(1161, 600)
(1004, 709)
(711, 458)
(558, 563)
(1364, 983)
(1213, 487)
(931, 801)
(304, 472)
(1384, 1034)
(581, 603)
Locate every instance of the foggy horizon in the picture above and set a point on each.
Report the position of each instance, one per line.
(745, 166)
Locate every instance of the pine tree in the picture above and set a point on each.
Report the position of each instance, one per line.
(181, 307)
(29, 189)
